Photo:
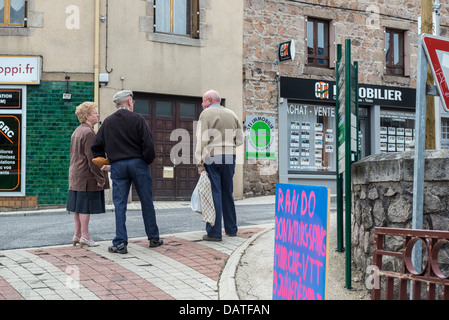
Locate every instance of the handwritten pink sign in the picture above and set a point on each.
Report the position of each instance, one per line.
(300, 254)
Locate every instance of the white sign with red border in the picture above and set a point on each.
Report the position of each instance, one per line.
(20, 69)
(437, 51)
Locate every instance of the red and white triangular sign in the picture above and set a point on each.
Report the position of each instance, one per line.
(437, 51)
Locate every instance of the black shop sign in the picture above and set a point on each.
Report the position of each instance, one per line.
(326, 91)
(10, 98)
(10, 152)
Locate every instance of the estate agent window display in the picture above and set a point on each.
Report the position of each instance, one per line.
(311, 138)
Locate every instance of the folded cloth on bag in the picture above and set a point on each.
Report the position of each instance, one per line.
(207, 201)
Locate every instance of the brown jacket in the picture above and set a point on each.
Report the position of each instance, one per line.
(83, 174)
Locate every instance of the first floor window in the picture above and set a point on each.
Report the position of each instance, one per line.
(312, 138)
(12, 13)
(317, 42)
(177, 17)
(394, 52)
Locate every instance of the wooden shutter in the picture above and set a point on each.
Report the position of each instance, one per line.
(195, 19)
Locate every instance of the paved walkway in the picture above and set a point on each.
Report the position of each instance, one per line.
(184, 268)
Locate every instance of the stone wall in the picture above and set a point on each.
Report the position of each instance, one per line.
(382, 196)
(268, 22)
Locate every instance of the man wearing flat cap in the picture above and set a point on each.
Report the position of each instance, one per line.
(125, 139)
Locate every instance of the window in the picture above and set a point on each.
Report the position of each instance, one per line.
(164, 108)
(177, 17)
(397, 130)
(312, 138)
(142, 106)
(187, 110)
(445, 133)
(445, 128)
(317, 42)
(12, 13)
(394, 52)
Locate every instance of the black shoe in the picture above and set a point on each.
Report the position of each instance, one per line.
(156, 242)
(207, 238)
(121, 248)
(231, 234)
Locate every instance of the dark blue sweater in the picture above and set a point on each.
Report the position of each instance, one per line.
(124, 135)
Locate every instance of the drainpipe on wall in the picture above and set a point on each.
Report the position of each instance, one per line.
(97, 56)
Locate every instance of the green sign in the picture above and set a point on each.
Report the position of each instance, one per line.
(348, 145)
(260, 137)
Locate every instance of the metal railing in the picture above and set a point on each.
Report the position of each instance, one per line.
(410, 281)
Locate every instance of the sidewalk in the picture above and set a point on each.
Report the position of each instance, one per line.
(184, 268)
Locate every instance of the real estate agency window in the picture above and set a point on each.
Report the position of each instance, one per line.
(13, 13)
(317, 42)
(177, 17)
(394, 52)
(397, 130)
(312, 138)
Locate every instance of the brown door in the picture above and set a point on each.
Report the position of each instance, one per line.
(171, 120)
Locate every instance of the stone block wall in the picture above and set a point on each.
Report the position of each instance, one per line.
(382, 196)
(268, 22)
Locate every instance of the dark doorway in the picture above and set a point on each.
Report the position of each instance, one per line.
(171, 118)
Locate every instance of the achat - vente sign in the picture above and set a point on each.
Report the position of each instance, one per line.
(301, 242)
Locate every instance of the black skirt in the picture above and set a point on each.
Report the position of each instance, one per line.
(90, 202)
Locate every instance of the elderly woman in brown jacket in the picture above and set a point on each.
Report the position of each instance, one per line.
(86, 181)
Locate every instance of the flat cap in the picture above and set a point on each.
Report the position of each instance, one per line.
(121, 95)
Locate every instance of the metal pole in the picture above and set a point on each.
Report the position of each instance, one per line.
(420, 141)
(348, 162)
(356, 88)
(436, 17)
(339, 176)
(436, 32)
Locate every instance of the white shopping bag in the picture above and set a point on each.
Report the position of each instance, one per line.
(195, 201)
(206, 206)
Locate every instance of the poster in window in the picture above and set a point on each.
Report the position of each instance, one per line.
(314, 139)
(396, 130)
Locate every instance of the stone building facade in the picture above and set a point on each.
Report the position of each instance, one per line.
(269, 22)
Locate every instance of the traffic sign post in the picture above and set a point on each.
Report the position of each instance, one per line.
(437, 52)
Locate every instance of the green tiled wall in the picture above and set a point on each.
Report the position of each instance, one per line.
(50, 123)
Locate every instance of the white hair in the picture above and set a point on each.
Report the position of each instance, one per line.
(214, 95)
